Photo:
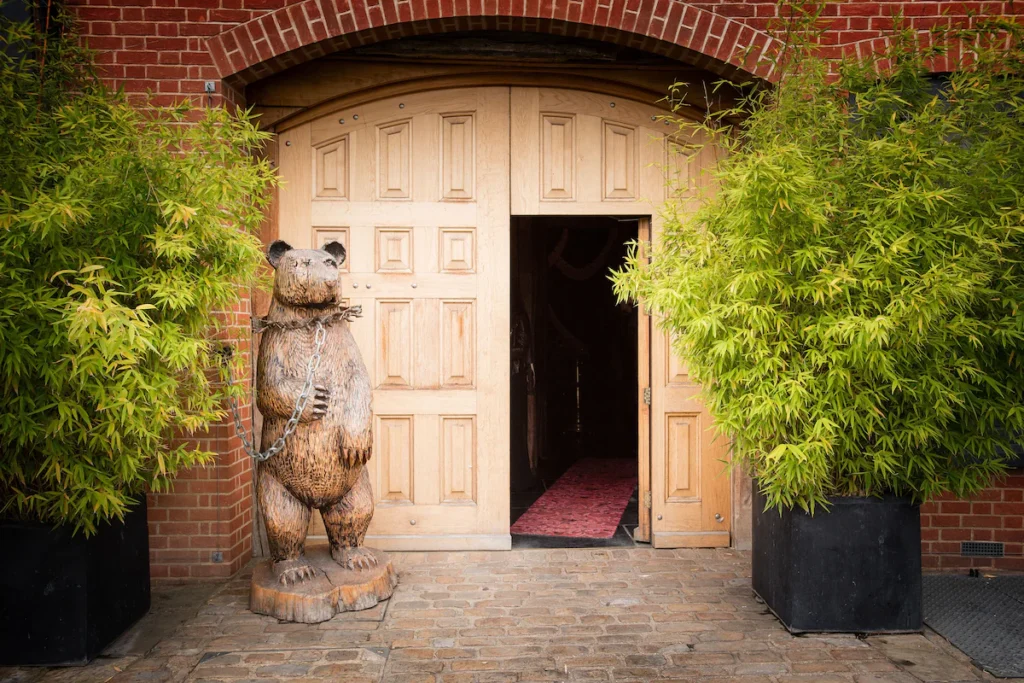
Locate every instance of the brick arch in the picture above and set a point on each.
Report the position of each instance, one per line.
(310, 29)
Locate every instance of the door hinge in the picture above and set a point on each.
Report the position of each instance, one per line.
(647, 499)
(647, 396)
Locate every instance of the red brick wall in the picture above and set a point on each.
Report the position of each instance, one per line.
(161, 45)
(994, 515)
(170, 47)
(201, 529)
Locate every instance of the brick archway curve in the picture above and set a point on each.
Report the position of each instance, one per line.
(310, 29)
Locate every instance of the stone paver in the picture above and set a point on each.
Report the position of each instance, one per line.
(633, 614)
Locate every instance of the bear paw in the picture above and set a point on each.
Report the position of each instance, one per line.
(316, 405)
(356, 456)
(293, 571)
(354, 558)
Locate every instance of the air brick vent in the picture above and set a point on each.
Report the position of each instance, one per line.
(981, 549)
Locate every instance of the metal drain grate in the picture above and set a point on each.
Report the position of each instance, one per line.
(981, 549)
(984, 618)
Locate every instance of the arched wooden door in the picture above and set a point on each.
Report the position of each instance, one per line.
(420, 188)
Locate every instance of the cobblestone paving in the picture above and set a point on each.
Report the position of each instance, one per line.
(529, 615)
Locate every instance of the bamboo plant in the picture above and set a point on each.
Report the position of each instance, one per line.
(124, 228)
(849, 294)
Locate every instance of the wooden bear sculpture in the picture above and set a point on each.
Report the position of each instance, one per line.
(321, 463)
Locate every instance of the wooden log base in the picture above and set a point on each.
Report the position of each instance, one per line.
(333, 590)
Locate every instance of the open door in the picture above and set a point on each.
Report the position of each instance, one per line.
(684, 486)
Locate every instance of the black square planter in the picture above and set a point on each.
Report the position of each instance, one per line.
(854, 569)
(64, 597)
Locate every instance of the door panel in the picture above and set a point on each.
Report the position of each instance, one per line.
(583, 153)
(413, 186)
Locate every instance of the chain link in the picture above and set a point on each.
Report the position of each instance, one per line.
(312, 365)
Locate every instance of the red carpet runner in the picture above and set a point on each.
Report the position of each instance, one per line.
(586, 502)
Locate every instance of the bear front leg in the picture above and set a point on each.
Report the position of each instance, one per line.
(278, 399)
(347, 521)
(356, 418)
(287, 520)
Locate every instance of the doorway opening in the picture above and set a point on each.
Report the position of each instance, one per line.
(574, 378)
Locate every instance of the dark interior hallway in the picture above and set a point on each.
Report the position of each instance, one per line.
(574, 380)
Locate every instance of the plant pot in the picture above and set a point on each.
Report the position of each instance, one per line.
(66, 597)
(854, 569)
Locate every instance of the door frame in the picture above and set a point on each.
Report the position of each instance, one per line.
(642, 532)
(643, 359)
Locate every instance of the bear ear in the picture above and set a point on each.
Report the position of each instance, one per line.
(277, 249)
(335, 249)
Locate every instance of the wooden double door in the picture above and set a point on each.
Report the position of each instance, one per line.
(420, 189)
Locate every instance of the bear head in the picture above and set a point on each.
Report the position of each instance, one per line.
(306, 278)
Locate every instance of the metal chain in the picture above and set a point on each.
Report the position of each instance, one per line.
(347, 313)
(248, 440)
